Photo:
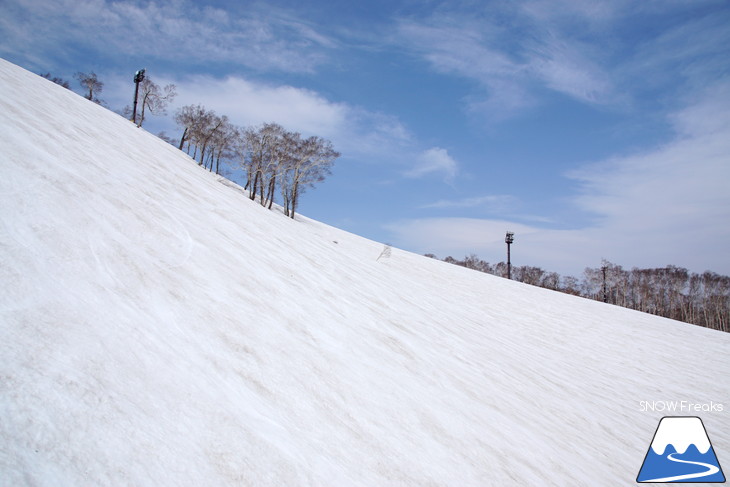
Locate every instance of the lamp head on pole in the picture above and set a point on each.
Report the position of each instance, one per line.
(139, 76)
(509, 238)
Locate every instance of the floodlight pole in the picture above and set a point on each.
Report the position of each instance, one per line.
(138, 78)
(605, 294)
(509, 238)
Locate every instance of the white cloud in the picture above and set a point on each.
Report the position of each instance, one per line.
(491, 202)
(250, 103)
(672, 193)
(707, 115)
(434, 160)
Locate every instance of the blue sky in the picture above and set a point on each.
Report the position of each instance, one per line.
(590, 129)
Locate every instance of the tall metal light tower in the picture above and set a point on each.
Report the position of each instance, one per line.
(604, 268)
(509, 238)
(138, 78)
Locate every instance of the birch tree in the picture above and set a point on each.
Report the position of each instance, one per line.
(266, 152)
(91, 85)
(310, 162)
(154, 99)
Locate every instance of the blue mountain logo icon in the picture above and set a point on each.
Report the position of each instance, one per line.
(681, 452)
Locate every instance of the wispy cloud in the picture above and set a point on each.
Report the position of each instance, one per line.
(566, 66)
(518, 52)
(465, 50)
(509, 62)
(684, 57)
(577, 11)
(169, 30)
(434, 160)
(252, 103)
(488, 202)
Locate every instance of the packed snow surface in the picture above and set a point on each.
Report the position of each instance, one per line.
(159, 328)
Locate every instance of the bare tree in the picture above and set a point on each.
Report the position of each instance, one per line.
(240, 152)
(273, 156)
(529, 274)
(57, 80)
(500, 269)
(163, 135)
(222, 143)
(207, 133)
(91, 85)
(188, 118)
(309, 163)
(270, 155)
(671, 291)
(570, 285)
(197, 123)
(471, 261)
(266, 157)
(154, 99)
(550, 280)
(715, 301)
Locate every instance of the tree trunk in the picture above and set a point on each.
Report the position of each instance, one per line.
(252, 196)
(202, 154)
(294, 197)
(272, 187)
(141, 116)
(182, 139)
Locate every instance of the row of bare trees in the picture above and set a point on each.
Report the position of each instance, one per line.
(210, 137)
(527, 274)
(277, 162)
(89, 82)
(274, 159)
(59, 81)
(152, 98)
(673, 292)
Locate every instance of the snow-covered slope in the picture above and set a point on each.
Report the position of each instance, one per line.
(158, 328)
